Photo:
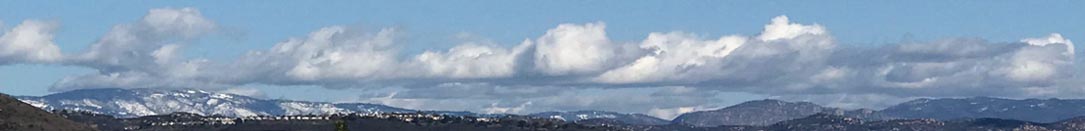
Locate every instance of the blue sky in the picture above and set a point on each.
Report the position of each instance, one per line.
(428, 25)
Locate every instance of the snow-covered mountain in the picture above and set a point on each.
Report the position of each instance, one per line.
(143, 102)
(1036, 110)
(573, 116)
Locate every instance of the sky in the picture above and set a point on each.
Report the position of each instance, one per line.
(660, 58)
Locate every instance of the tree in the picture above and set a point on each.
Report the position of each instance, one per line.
(341, 126)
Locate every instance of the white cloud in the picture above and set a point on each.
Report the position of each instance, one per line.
(330, 53)
(1042, 60)
(567, 67)
(158, 28)
(573, 49)
(673, 55)
(30, 41)
(145, 54)
(472, 61)
(187, 22)
(782, 28)
(1054, 38)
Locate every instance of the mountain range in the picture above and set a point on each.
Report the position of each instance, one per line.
(143, 102)
(767, 112)
(575, 116)
(831, 122)
(129, 103)
(1036, 110)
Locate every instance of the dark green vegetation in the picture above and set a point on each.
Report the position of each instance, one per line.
(18, 116)
(369, 122)
(430, 122)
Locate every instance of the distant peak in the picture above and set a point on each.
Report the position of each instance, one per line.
(772, 101)
(191, 90)
(91, 92)
(591, 111)
(986, 98)
(767, 101)
(918, 101)
(97, 89)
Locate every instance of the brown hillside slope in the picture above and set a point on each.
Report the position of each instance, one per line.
(18, 116)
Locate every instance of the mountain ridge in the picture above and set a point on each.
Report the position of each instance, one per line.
(757, 112)
(127, 103)
(131, 103)
(575, 116)
(16, 115)
(768, 111)
(1037, 110)
(144, 102)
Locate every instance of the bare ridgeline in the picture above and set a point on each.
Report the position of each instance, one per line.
(77, 111)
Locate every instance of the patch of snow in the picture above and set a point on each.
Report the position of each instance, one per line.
(299, 108)
(221, 96)
(91, 103)
(135, 108)
(37, 104)
(180, 95)
(212, 101)
(558, 117)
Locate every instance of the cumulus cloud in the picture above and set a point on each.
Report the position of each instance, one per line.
(146, 42)
(472, 60)
(782, 59)
(327, 55)
(29, 42)
(568, 67)
(673, 54)
(785, 59)
(963, 67)
(573, 49)
(144, 54)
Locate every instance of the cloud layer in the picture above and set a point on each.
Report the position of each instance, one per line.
(786, 60)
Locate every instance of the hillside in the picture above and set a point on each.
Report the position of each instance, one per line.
(18, 116)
